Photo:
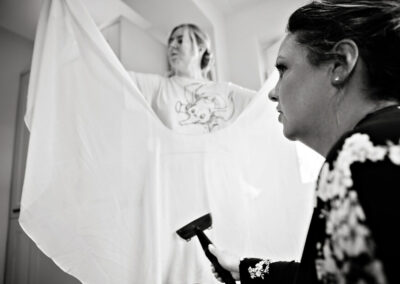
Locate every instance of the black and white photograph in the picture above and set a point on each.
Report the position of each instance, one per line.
(199, 141)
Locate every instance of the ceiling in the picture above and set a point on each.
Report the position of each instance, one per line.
(166, 14)
(160, 16)
(20, 16)
(228, 7)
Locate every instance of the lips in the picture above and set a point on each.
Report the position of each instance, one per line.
(278, 109)
(174, 52)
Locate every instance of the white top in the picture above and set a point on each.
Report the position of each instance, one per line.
(192, 106)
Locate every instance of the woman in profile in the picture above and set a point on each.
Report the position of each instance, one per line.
(339, 93)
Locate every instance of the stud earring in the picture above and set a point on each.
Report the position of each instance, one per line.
(336, 79)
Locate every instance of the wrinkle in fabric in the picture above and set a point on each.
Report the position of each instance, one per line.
(107, 184)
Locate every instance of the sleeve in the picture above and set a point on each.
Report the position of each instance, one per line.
(254, 270)
(377, 184)
(148, 84)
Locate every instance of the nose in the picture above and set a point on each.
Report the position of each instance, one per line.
(272, 95)
(174, 43)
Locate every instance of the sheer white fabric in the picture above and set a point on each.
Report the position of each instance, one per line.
(107, 184)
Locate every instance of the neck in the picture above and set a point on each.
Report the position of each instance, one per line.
(193, 72)
(346, 118)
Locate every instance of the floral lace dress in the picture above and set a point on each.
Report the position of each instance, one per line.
(352, 236)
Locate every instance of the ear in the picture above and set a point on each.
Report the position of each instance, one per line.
(343, 66)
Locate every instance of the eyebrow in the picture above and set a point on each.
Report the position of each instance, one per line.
(174, 37)
(279, 59)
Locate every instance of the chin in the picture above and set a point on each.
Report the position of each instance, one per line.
(291, 138)
(173, 62)
(289, 134)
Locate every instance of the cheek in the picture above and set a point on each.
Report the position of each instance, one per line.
(287, 96)
(295, 90)
(186, 46)
(185, 56)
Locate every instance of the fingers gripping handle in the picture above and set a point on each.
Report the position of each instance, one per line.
(225, 275)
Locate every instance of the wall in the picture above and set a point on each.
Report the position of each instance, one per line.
(140, 52)
(219, 38)
(15, 57)
(246, 29)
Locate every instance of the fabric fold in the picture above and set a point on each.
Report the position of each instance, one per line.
(107, 184)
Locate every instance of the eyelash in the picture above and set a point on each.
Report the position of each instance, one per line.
(281, 68)
(179, 39)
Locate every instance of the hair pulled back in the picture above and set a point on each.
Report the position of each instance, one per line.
(202, 39)
(373, 25)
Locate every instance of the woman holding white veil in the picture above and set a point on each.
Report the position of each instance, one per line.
(188, 101)
(118, 162)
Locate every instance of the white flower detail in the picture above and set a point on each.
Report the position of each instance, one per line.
(260, 269)
(356, 148)
(348, 236)
(394, 154)
(377, 153)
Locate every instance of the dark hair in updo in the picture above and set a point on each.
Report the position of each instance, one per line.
(202, 39)
(374, 25)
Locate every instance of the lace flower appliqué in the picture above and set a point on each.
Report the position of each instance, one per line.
(260, 269)
(348, 237)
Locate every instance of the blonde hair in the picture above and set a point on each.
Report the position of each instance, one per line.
(203, 40)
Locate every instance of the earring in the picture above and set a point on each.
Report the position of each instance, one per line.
(336, 79)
